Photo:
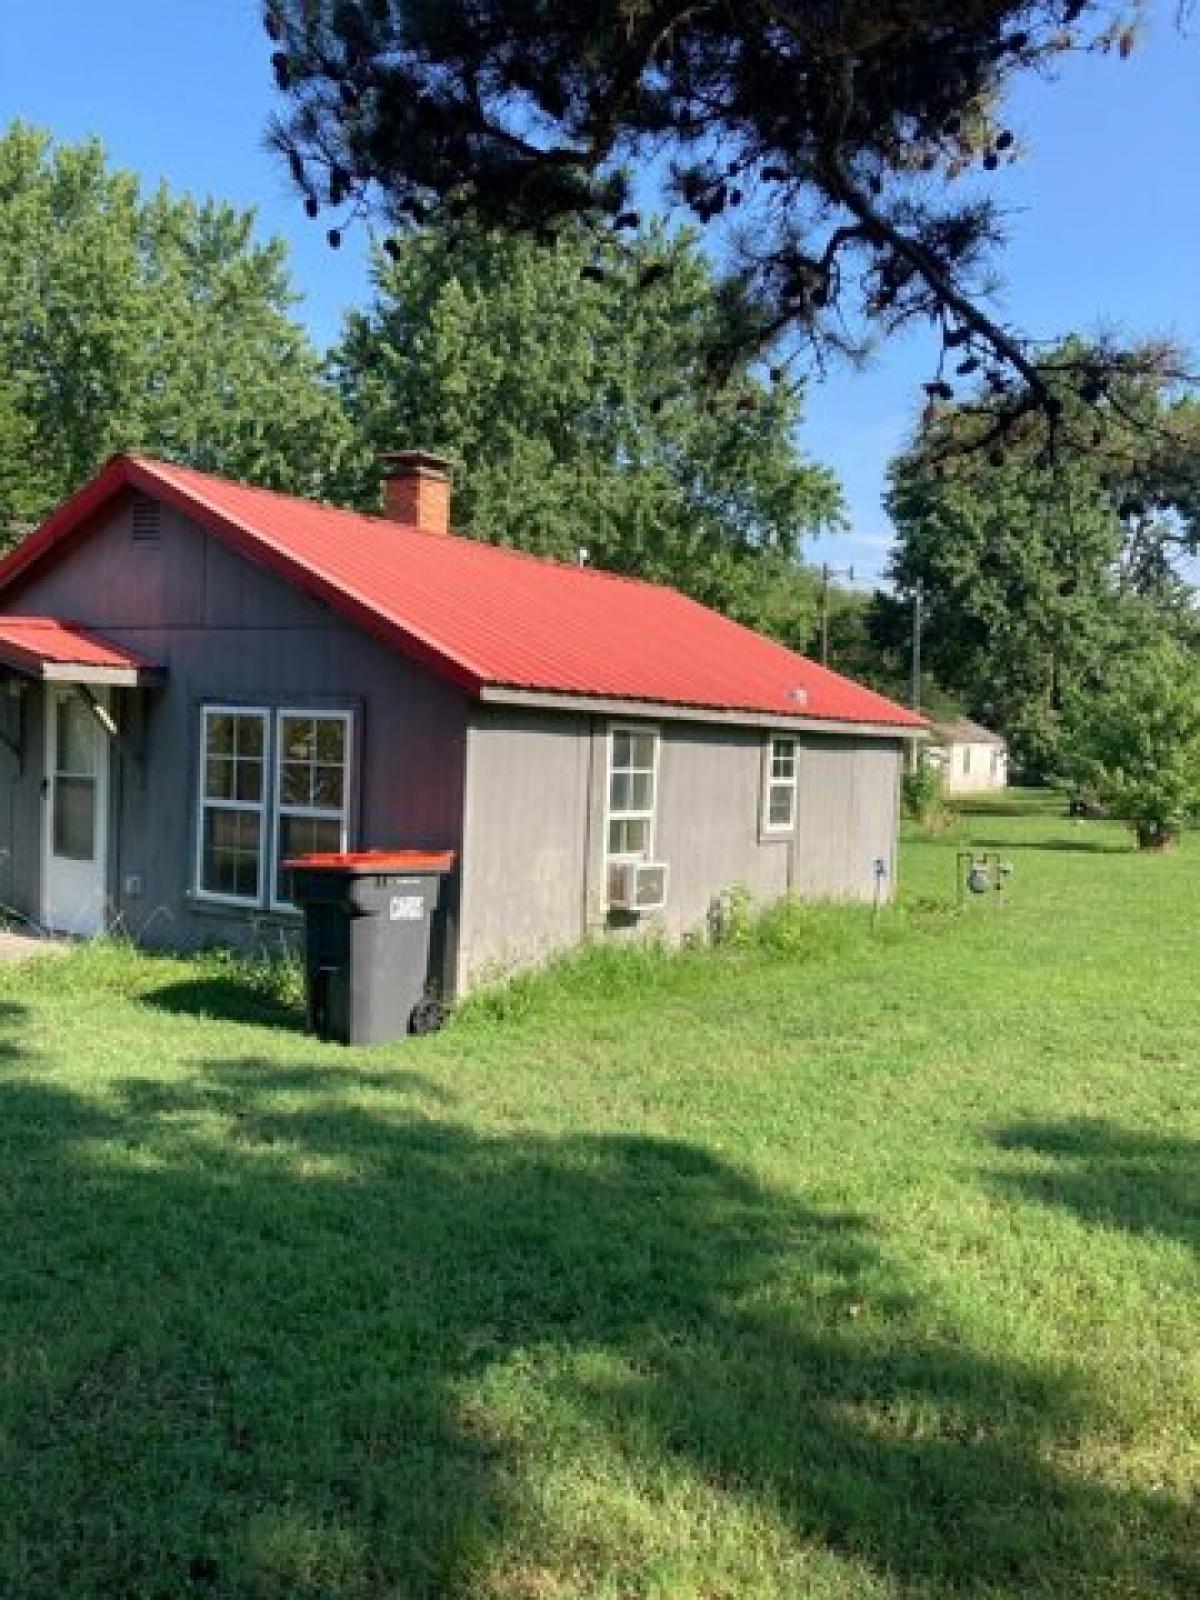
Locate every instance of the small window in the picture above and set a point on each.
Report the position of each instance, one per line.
(966, 759)
(232, 804)
(313, 770)
(632, 784)
(779, 802)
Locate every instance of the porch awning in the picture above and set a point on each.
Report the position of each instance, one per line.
(55, 651)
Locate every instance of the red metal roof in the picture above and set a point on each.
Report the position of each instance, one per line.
(487, 616)
(37, 642)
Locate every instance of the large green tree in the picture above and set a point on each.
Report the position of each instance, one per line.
(143, 321)
(825, 146)
(1033, 560)
(564, 382)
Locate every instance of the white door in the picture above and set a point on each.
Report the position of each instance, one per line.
(74, 857)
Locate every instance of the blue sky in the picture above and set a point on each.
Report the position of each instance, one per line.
(1104, 214)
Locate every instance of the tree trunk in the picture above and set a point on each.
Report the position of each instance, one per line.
(1156, 836)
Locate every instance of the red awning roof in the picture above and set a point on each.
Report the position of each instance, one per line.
(490, 618)
(47, 647)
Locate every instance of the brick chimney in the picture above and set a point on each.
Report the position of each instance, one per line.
(416, 489)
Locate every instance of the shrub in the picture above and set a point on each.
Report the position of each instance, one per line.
(923, 794)
(1132, 743)
(731, 917)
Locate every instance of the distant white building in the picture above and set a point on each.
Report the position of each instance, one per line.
(971, 757)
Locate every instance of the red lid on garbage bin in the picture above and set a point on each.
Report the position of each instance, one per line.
(374, 861)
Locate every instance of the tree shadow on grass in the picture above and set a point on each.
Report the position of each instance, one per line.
(1146, 1183)
(230, 1087)
(1061, 845)
(259, 1343)
(226, 997)
(11, 1017)
(1044, 803)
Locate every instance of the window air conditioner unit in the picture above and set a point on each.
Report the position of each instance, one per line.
(637, 885)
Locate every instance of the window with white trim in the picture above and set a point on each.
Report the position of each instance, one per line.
(632, 793)
(779, 801)
(312, 752)
(273, 784)
(233, 771)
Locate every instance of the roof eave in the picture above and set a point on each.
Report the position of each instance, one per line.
(113, 677)
(28, 663)
(676, 711)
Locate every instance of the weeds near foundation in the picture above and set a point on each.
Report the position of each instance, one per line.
(741, 932)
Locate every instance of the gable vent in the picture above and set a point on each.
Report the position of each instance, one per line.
(147, 521)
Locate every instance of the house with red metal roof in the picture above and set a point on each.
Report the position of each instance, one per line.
(203, 680)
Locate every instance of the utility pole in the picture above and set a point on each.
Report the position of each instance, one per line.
(918, 618)
(828, 572)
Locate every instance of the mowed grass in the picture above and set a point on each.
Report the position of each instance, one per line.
(852, 1260)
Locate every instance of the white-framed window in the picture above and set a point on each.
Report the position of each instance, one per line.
(632, 793)
(273, 784)
(779, 789)
(231, 816)
(312, 788)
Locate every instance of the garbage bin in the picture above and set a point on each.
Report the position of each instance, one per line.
(367, 920)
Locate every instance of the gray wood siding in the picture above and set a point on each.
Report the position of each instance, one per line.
(112, 582)
(709, 806)
(226, 629)
(846, 817)
(525, 839)
(534, 837)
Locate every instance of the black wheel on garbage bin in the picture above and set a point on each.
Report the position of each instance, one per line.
(427, 1017)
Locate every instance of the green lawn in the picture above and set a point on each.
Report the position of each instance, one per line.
(844, 1262)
